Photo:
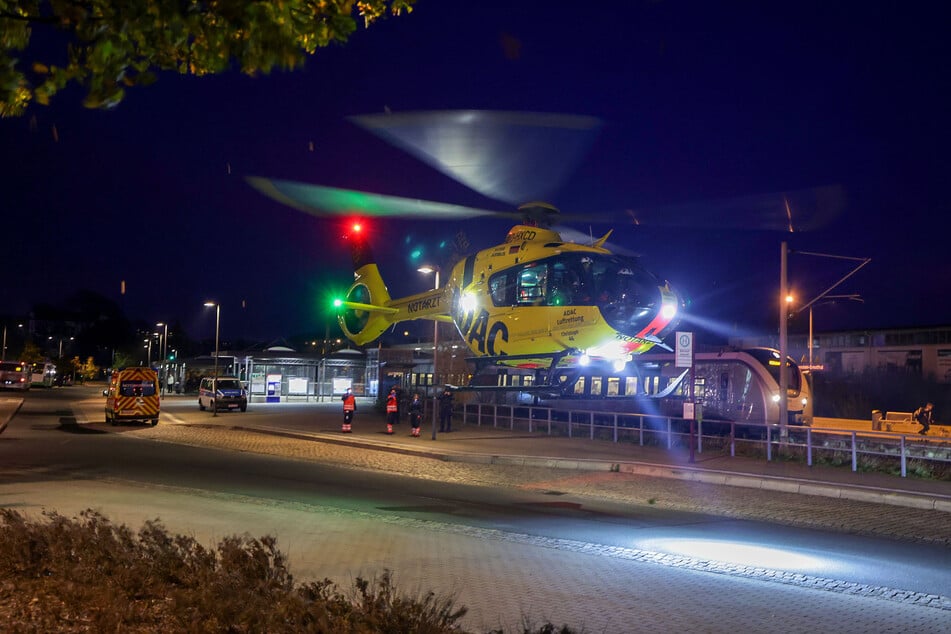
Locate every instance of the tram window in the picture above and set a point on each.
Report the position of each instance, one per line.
(656, 385)
(595, 386)
(613, 383)
(700, 388)
(630, 385)
(579, 386)
(502, 378)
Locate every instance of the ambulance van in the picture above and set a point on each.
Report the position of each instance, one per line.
(133, 395)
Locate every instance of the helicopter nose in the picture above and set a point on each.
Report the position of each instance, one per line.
(652, 319)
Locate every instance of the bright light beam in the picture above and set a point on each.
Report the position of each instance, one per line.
(759, 556)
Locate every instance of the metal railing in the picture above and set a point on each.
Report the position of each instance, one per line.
(661, 430)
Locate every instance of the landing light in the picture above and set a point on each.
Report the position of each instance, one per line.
(468, 303)
(669, 311)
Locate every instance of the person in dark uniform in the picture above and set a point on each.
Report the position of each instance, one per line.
(445, 410)
(415, 414)
(925, 416)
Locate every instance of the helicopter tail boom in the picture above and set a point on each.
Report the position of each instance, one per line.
(368, 310)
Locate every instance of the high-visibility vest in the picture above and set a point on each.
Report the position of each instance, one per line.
(391, 403)
(349, 403)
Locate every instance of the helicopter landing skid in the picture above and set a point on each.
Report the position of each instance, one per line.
(543, 375)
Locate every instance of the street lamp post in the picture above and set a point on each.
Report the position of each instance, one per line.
(784, 319)
(783, 329)
(4, 354)
(214, 410)
(434, 269)
(855, 297)
(163, 343)
(60, 346)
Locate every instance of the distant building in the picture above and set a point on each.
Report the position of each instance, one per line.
(925, 352)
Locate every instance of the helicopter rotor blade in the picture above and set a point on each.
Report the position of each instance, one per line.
(507, 156)
(792, 211)
(318, 200)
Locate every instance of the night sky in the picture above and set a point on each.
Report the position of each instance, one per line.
(700, 102)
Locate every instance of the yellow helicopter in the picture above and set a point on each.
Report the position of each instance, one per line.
(533, 300)
(536, 299)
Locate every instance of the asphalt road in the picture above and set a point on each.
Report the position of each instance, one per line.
(511, 541)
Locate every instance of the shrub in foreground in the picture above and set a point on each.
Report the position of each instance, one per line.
(87, 574)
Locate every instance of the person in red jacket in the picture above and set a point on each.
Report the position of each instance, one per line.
(349, 407)
(392, 410)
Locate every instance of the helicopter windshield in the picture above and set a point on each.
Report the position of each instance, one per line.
(620, 287)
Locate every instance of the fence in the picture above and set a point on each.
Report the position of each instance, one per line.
(670, 430)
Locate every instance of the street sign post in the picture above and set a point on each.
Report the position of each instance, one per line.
(683, 358)
(684, 351)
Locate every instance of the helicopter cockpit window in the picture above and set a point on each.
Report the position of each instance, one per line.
(502, 288)
(532, 284)
(567, 283)
(626, 293)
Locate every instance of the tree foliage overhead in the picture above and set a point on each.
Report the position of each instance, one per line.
(108, 46)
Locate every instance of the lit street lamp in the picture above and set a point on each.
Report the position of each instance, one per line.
(214, 410)
(428, 268)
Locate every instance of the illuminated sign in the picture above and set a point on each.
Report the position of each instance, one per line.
(684, 351)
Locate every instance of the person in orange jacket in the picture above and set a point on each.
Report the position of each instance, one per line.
(349, 407)
(392, 410)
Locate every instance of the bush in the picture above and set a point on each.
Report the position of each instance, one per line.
(88, 574)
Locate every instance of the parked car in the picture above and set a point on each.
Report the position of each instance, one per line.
(223, 393)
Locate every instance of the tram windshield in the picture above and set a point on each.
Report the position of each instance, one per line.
(769, 359)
